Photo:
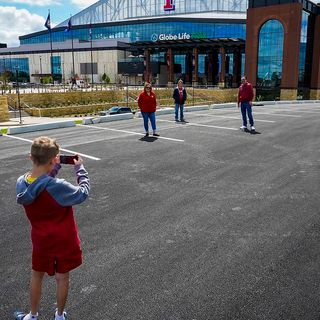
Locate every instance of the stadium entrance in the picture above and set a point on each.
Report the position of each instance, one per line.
(217, 62)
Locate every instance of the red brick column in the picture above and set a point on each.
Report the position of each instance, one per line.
(195, 66)
(170, 66)
(147, 66)
(290, 17)
(222, 75)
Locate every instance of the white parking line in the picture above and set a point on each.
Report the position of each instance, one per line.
(297, 111)
(201, 125)
(276, 114)
(226, 117)
(66, 150)
(128, 132)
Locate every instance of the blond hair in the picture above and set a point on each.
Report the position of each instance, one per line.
(147, 84)
(43, 150)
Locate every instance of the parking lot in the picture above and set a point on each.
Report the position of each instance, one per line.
(205, 222)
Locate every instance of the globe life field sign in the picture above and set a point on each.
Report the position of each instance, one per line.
(180, 36)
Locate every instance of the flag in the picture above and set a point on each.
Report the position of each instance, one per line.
(48, 22)
(69, 26)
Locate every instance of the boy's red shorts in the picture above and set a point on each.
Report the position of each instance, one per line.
(53, 265)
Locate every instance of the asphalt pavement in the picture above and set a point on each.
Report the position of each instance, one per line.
(205, 223)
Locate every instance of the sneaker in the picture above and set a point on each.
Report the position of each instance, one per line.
(253, 128)
(18, 315)
(147, 134)
(64, 314)
(182, 120)
(176, 120)
(243, 128)
(156, 135)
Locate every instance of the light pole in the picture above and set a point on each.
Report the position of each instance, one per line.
(18, 93)
(40, 69)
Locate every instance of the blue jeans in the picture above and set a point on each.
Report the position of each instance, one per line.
(181, 107)
(152, 116)
(246, 109)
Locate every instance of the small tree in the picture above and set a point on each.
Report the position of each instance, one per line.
(47, 80)
(105, 78)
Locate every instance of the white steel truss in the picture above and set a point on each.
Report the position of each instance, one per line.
(119, 10)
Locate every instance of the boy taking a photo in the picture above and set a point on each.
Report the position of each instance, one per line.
(48, 205)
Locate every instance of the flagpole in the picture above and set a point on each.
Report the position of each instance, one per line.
(72, 47)
(51, 50)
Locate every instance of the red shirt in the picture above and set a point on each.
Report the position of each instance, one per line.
(245, 93)
(181, 95)
(54, 230)
(147, 103)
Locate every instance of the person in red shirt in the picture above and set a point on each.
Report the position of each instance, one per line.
(48, 205)
(245, 98)
(147, 102)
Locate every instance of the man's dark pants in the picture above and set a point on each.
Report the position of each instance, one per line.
(246, 109)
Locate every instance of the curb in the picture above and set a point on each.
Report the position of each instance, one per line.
(41, 127)
(223, 105)
(109, 118)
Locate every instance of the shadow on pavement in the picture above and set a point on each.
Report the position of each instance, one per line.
(148, 139)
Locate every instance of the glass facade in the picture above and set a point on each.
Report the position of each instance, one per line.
(56, 65)
(145, 32)
(270, 54)
(303, 48)
(114, 10)
(10, 65)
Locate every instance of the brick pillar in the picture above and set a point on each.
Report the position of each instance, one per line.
(315, 73)
(236, 69)
(210, 67)
(147, 66)
(4, 109)
(222, 75)
(170, 66)
(290, 16)
(195, 66)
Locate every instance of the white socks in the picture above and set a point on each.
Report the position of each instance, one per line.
(30, 316)
(62, 317)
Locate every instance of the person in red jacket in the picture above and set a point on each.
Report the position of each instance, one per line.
(245, 98)
(147, 102)
(48, 205)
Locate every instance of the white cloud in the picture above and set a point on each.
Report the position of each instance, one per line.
(17, 22)
(41, 3)
(83, 3)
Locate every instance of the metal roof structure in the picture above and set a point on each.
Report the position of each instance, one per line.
(105, 11)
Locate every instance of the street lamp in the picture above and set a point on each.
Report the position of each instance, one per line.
(40, 69)
(18, 93)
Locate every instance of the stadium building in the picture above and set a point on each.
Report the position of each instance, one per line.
(204, 42)
(154, 40)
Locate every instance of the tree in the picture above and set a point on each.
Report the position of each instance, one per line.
(105, 78)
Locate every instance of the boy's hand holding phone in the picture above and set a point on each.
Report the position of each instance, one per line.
(78, 160)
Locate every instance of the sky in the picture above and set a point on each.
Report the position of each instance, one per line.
(20, 17)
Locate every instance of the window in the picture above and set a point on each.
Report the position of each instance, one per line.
(270, 55)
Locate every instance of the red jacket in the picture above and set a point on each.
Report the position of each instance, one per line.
(147, 103)
(245, 93)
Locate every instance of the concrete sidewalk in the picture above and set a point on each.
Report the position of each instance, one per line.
(28, 121)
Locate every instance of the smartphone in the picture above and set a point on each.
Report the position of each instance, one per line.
(68, 159)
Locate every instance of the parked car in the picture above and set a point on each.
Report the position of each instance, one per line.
(116, 110)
